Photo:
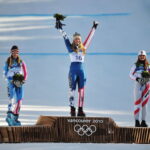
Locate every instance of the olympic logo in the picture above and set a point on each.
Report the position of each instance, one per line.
(85, 129)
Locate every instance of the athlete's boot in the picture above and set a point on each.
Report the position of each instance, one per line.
(72, 111)
(137, 123)
(81, 112)
(12, 119)
(9, 119)
(16, 121)
(144, 124)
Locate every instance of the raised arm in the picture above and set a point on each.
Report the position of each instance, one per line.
(59, 26)
(87, 42)
(66, 39)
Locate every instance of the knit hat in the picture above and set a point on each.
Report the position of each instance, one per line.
(76, 35)
(14, 48)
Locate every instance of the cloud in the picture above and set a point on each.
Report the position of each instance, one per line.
(21, 38)
(23, 28)
(23, 1)
(24, 18)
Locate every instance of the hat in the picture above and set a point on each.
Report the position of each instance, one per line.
(142, 52)
(76, 35)
(14, 48)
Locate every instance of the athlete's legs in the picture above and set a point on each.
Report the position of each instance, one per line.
(19, 96)
(81, 97)
(11, 95)
(137, 102)
(144, 112)
(81, 86)
(72, 87)
(11, 105)
(15, 113)
(146, 96)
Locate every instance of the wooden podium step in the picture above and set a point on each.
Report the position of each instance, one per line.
(74, 129)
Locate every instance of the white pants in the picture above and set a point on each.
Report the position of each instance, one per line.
(141, 97)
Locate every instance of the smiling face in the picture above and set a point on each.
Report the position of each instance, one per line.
(77, 41)
(142, 57)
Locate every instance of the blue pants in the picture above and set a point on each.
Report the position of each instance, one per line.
(15, 95)
(15, 91)
(77, 75)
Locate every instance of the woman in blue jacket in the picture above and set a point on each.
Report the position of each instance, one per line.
(14, 68)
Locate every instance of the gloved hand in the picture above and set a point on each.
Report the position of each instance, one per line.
(142, 81)
(58, 24)
(95, 24)
(138, 79)
(59, 18)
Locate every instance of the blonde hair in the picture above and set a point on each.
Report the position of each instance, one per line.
(79, 47)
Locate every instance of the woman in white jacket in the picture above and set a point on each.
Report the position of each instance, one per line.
(140, 73)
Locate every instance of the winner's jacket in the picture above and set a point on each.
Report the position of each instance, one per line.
(9, 71)
(15, 93)
(77, 74)
(77, 56)
(141, 92)
(137, 70)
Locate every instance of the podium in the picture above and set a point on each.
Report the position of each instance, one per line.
(74, 130)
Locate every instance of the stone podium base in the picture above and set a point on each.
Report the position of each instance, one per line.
(74, 130)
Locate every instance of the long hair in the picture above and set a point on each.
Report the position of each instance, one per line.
(10, 59)
(145, 63)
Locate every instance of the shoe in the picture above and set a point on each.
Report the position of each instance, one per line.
(9, 119)
(144, 124)
(12, 119)
(16, 121)
(81, 112)
(73, 111)
(137, 123)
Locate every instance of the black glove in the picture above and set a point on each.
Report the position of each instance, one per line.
(59, 18)
(142, 81)
(59, 24)
(138, 79)
(95, 24)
